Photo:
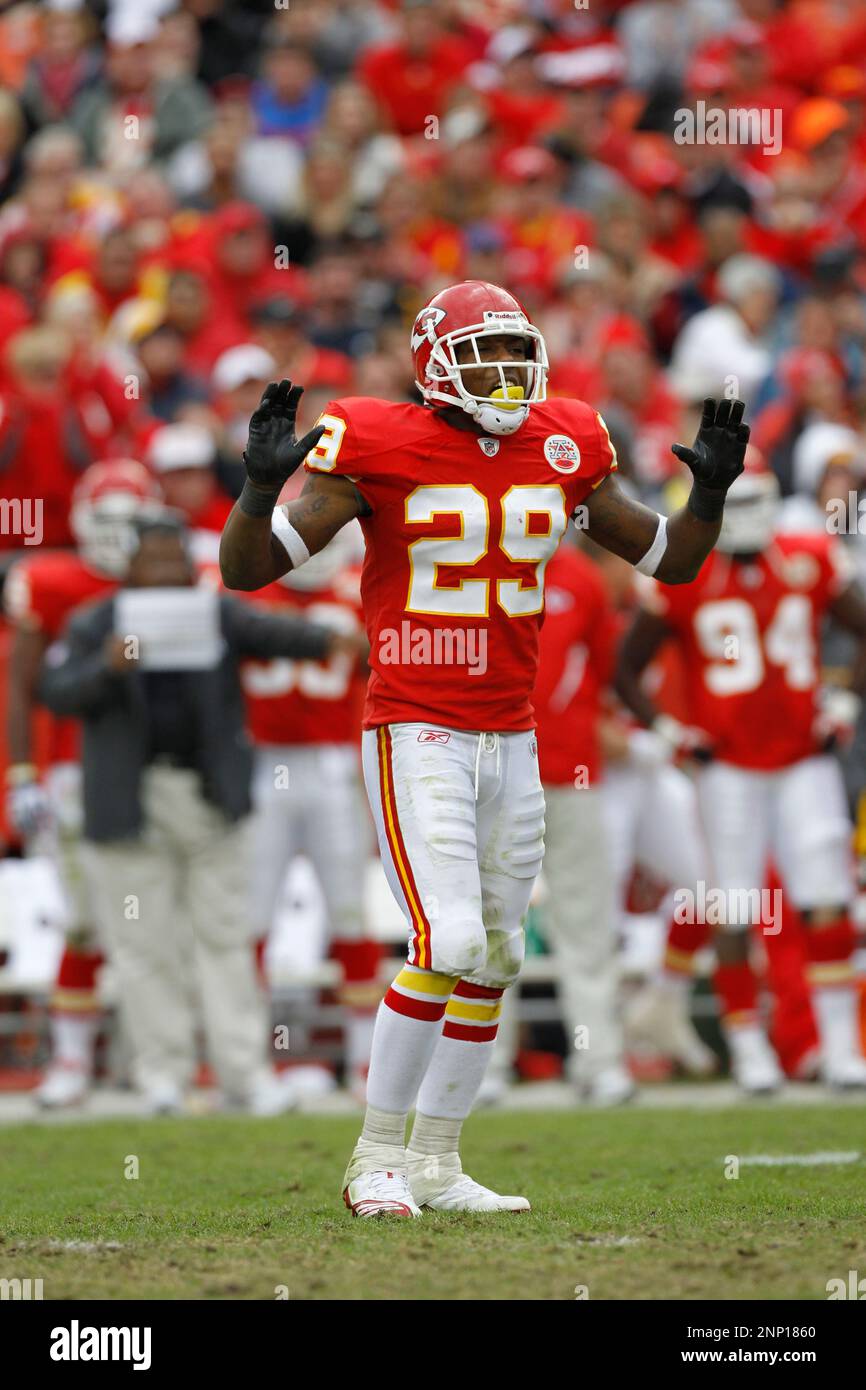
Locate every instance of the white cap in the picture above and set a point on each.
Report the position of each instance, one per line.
(249, 362)
(741, 275)
(818, 446)
(181, 446)
(129, 26)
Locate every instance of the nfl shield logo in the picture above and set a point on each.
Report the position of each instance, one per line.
(489, 446)
(562, 453)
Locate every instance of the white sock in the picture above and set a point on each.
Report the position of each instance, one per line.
(72, 1039)
(836, 1014)
(453, 1079)
(358, 1036)
(408, 1025)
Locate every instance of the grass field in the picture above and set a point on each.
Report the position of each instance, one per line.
(631, 1204)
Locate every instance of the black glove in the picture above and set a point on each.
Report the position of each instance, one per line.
(273, 454)
(716, 457)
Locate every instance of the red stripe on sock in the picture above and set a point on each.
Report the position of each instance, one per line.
(415, 1008)
(737, 989)
(359, 959)
(470, 991)
(78, 969)
(464, 1033)
(828, 945)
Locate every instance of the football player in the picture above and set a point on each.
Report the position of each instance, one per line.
(749, 629)
(463, 498)
(304, 718)
(40, 593)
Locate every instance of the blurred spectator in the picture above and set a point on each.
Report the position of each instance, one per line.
(132, 114)
(183, 456)
(65, 65)
(725, 346)
(279, 325)
(411, 78)
(290, 97)
(167, 385)
(239, 378)
(45, 439)
(829, 468)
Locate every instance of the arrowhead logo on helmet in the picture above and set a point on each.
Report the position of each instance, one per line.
(468, 313)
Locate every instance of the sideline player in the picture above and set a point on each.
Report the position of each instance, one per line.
(40, 593)
(462, 499)
(749, 627)
(304, 718)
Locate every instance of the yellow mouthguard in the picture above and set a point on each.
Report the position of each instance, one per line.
(514, 393)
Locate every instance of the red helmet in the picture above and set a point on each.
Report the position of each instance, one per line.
(108, 498)
(465, 313)
(751, 508)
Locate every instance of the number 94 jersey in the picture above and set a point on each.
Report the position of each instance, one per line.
(750, 639)
(460, 531)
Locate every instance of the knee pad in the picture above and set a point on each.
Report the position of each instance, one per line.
(505, 951)
(459, 947)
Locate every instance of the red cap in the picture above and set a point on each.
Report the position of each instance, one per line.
(528, 162)
(237, 217)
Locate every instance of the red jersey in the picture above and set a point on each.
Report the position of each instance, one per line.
(460, 531)
(750, 638)
(578, 644)
(39, 595)
(290, 701)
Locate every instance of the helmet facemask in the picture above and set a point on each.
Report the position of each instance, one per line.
(507, 408)
(750, 515)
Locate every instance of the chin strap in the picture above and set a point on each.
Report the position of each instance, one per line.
(495, 421)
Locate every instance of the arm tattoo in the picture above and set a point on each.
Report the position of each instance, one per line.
(619, 523)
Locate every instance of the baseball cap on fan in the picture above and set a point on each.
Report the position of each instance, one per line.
(183, 445)
(239, 365)
(129, 25)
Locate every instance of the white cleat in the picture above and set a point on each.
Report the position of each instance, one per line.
(164, 1098)
(613, 1086)
(753, 1061)
(659, 1018)
(383, 1193)
(845, 1072)
(376, 1182)
(439, 1184)
(64, 1085)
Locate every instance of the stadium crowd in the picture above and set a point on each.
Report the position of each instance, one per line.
(198, 198)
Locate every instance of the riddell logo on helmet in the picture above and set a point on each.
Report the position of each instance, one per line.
(504, 316)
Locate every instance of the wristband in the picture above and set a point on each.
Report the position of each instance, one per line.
(291, 540)
(255, 501)
(649, 563)
(706, 503)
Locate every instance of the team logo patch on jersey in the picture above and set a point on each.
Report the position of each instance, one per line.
(562, 453)
(489, 446)
(533, 748)
(434, 736)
